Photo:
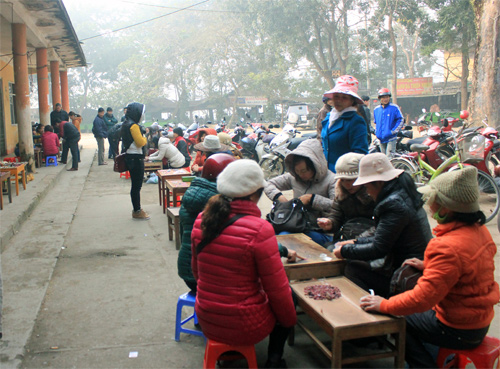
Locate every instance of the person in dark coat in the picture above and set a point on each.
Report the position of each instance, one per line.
(114, 137)
(58, 113)
(402, 229)
(194, 200)
(181, 144)
(71, 137)
(110, 121)
(100, 131)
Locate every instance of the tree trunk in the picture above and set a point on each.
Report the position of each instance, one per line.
(465, 68)
(394, 59)
(486, 74)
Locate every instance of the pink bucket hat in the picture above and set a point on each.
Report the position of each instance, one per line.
(347, 85)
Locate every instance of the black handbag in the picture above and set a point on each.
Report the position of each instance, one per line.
(120, 164)
(404, 279)
(290, 216)
(354, 227)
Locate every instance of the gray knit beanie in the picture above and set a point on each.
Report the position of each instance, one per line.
(456, 190)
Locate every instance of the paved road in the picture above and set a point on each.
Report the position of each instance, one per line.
(85, 284)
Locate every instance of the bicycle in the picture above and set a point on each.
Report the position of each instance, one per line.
(422, 172)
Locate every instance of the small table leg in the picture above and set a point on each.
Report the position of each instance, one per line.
(159, 189)
(9, 189)
(174, 195)
(24, 178)
(336, 351)
(17, 184)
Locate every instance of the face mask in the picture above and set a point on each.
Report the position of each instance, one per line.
(440, 219)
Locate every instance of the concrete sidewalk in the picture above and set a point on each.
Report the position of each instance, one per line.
(85, 284)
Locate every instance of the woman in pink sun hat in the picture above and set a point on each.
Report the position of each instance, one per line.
(343, 130)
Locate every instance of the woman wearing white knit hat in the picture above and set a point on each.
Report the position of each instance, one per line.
(452, 304)
(243, 293)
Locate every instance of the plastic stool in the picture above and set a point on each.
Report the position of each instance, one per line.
(125, 174)
(187, 299)
(215, 349)
(486, 355)
(48, 162)
(15, 159)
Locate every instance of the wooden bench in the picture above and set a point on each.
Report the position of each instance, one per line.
(342, 319)
(174, 226)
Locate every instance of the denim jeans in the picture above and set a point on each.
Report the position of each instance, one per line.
(388, 147)
(318, 237)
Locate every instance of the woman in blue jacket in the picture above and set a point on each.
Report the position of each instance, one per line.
(343, 130)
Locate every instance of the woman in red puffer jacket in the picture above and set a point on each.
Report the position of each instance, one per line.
(243, 292)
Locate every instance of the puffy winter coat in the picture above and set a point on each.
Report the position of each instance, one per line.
(242, 286)
(402, 230)
(99, 128)
(322, 184)
(166, 149)
(347, 134)
(348, 206)
(193, 202)
(458, 281)
(50, 143)
(110, 120)
(388, 121)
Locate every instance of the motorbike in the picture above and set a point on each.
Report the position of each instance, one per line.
(406, 132)
(252, 145)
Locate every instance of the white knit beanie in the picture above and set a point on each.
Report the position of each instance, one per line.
(457, 190)
(240, 178)
(347, 166)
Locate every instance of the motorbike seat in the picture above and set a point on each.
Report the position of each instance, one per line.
(419, 147)
(310, 135)
(294, 142)
(418, 140)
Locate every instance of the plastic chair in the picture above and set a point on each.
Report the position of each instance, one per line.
(48, 161)
(187, 299)
(214, 350)
(125, 174)
(486, 355)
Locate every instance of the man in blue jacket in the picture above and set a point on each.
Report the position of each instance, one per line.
(388, 121)
(100, 131)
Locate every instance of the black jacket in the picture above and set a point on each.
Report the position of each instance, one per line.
(402, 230)
(133, 116)
(71, 133)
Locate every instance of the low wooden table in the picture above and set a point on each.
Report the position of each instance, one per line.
(320, 262)
(165, 174)
(177, 187)
(5, 177)
(14, 171)
(342, 319)
(152, 166)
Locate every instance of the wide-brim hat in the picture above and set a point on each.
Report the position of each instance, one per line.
(376, 167)
(347, 85)
(457, 190)
(347, 166)
(211, 143)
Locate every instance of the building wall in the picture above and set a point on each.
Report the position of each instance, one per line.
(10, 128)
(454, 63)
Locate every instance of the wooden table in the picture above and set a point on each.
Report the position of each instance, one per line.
(152, 166)
(14, 171)
(316, 266)
(165, 174)
(5, 177)
(177, 187)
(342, 319)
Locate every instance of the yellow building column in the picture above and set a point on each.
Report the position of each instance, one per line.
(42, 73)
(22, 91)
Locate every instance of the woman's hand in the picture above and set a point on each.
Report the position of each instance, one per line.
(338, 252)
(371, 303)
(282, 199)
(195, 168)
(342, 243)
(325, 224)
(414, 262)
(306, 199)
(292, 256)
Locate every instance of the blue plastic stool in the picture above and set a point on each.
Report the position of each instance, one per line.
(187, 299)
(54, 160)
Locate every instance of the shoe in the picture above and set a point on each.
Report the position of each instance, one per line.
(104, 163)
(281, 363)
(72, 170)
(141, 214)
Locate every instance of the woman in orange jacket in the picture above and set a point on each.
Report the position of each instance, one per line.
(452, 304)
(76, 119)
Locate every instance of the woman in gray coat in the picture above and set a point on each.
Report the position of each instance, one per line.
(311, 181)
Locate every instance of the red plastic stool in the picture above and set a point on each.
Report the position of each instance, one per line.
(125, 174)
(486, 355)
(15, 159)
(215, 349)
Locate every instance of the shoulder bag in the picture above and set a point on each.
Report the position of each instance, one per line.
(120, 164)
(404, 279)
(290, 216)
